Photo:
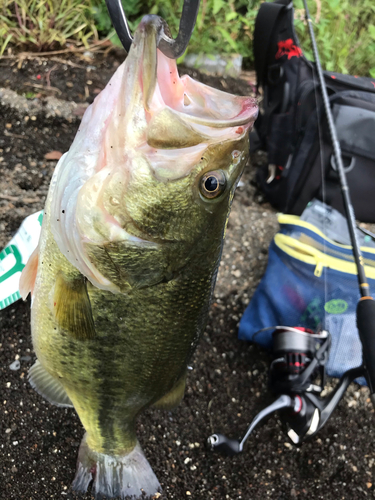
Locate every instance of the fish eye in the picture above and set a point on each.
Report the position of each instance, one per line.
(213, 184)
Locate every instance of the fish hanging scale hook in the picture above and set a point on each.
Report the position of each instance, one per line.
(171, 47)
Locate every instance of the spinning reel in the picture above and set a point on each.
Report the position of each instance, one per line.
(297, 379)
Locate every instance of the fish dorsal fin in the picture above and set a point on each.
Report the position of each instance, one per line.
(72, 308)
(28, 275)
(47, 386)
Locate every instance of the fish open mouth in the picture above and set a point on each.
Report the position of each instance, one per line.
(181, 112)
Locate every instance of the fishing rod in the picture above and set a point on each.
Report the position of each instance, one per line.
(366, 304)
(299, 354)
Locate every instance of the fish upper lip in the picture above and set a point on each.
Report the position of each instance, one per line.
(245, 117)
(229, 123)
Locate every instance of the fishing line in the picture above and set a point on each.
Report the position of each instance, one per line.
(339, 163)
(322, 173)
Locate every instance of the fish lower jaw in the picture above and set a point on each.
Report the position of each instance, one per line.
(114, 476)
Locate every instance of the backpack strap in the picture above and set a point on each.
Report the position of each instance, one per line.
(268, 16)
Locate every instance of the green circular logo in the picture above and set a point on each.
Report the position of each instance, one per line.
(336, 306)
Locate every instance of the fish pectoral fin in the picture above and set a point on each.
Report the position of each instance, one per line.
(129, 265)
(174, 397)
(28, 275)
(72, 308)
(47, 386)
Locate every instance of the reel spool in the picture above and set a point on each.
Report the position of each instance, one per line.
(300, 355)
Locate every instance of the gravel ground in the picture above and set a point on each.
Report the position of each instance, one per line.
(227, 385)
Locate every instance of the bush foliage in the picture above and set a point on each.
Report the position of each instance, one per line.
(45, 24)
(345, 33)
(345, 29)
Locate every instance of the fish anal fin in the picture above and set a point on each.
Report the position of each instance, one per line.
(72, 308)
(28, 275)
(47, 386)
(174, 397)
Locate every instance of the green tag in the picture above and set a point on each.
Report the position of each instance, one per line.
(336, 306)
(15, 256)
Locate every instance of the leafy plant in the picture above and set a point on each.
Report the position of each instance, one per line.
(223, 26)
(345, 29)
(345, 34)
(45, 24)
(135, 10)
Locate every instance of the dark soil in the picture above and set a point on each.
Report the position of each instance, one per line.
(81, 78)
(227, 385)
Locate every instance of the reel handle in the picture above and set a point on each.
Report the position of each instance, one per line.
(224, 445)
(229, 447)
(366, 328)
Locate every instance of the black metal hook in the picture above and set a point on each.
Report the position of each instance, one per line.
(171, 47)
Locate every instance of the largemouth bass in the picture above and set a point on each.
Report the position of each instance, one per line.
(128, 255)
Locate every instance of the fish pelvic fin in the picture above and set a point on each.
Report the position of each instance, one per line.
(127, 476)
(174, 397)
(47, 386)
(28, 275)
(72, 308)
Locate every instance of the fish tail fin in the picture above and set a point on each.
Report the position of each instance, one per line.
(114, 476)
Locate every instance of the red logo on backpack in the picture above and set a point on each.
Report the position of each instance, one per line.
(288, 48)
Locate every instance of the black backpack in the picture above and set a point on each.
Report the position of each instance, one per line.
(298, 155)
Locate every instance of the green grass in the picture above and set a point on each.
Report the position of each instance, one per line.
(40, 25)
(345, 33)
(345, 29)
(223, 26)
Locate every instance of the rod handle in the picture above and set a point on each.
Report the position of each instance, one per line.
(366, 328)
